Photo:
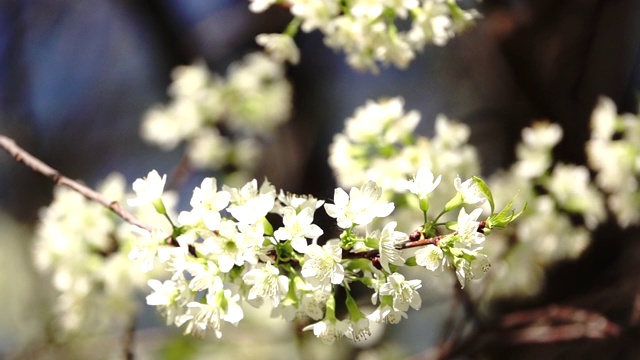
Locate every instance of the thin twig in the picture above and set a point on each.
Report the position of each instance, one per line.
(558, 323)
(129, 338)
(449, 325)
(21, 155)
(180, 174)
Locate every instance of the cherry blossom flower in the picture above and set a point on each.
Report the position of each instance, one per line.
(359, 207)
(148, 189)
(250, 204)
(328, 330)
(469, 191)
(403, 292)
(297, 227)
(388, 240)
(430, 256)
(280, 47)
(267, 284)
(468, 227)
(423, 183)
(322, 264)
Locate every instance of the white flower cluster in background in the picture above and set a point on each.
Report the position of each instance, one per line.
(84, 248)
(614, 153)
(221, 119)
(379, 143)
(547, 232)
(557, 195)
(258, 246)
(388, 32)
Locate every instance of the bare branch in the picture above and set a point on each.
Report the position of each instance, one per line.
(35, 164)
(129, 339)
(558, 323)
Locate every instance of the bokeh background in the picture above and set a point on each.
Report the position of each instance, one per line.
(77, 76)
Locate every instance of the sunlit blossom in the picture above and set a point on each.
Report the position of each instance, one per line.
(148, 189)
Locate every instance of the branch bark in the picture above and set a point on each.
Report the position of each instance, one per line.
(38, 166)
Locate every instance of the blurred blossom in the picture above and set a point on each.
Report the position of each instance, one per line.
(367, 33)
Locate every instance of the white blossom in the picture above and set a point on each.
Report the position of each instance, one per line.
(542, 135)
(315, 13)
(359, 207)
(322, 265)
(389, 238)
(570, 185)
(267, 284)
(164, 293)
(148, 189)
(383, 120)
(259, 93)
(603, 119)
(473, 269)
(298, 202)
(208, 149)
(149, 247)
(402, 291)
(469, 191)
(225, 247)
(297, 228)
(423, 183)
(386, 313)
(221, 305)
(210, 201)
(430, 256)
(160, 126)
(280, 47)
(450, 134)
(328, 330)
(204, 275)
(250, 204)
(468, 227)
(258, 6)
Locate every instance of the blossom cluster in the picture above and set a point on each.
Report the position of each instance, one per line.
(565, 205)
(84, 248)
(221, 119)
(614, 153)
(259, 246)
(389, 32)
(549, 231)
(379, 143)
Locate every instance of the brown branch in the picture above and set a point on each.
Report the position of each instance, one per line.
(129, 339)
(180, 173)
(635, 312)
(423, 242)
(558, 323)
(416, 238)
(35, 164)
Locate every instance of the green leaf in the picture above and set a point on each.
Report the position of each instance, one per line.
(455, 252)
(424, 204)
(505, 216)
(485, 190)
(180, 348)
(291, 297)
(411, 261)
(358, 264)
(268, 228)
(451, 225)
(453, 203)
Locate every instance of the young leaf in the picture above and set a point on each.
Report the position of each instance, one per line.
(485, 190)
(505, 216)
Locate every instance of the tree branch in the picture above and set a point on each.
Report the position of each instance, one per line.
(35, 164)
(557, 323)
